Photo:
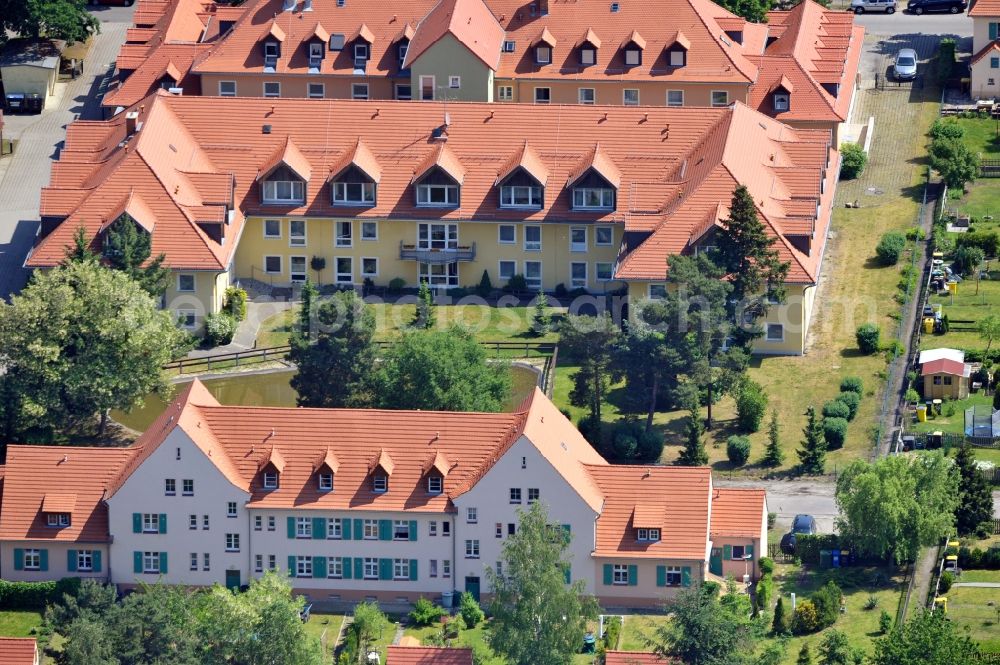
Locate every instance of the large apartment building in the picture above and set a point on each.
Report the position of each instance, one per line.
(801, 66)
(594, 198)
(357, 504)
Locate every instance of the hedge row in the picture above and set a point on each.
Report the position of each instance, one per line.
(979, 558)
(807, 547)
(35, 595)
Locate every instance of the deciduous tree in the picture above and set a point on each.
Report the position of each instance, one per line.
(538, 619)
(56, 19)
(928, 638)
(751, 10)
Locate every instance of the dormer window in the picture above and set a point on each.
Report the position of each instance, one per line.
(543, 54)
(520, 196)
(435, 484)
(648, 535)
(588, 55)
(325, 481)
(437, 195)
(325, 469)
(315, 54)
(284, 191)
(380, 483)
(593, 198)
(283, 178)
(57, 519)
(361, 52)
(354, 193)
(781, 100)
(270, 479)
(272, 52)
(403, 46)
(633, 56)
(677, 57)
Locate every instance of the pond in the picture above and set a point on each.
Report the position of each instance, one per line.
(273, 389)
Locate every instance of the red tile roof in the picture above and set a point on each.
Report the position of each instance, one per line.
(676, 498)
(945, 366)
(738, 513)
(20, 651)
(986, 50)
(400, 655)
(61, 479)
(469, 21)
(985, 8)
(633, 658)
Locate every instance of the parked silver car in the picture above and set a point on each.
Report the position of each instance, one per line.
(862, 6)
(905, 66)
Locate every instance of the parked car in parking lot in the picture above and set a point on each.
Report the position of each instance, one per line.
(802, 524)
(905, 66)
(919, 7)
(862, 6)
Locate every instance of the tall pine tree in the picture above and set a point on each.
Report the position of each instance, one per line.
(80, 249)
(127, 248)
(805, 655)
(812, 455)
(694, 453)
(975, 506)
(423, 317)
(773, 454)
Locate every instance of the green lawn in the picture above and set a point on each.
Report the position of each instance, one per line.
(19, 623)
(467, 638)
(971, 303)
(954, 423)
(325, 628)
(982, 200)
(982, 136)
(977, 609)
(638, 629)
(488, 324)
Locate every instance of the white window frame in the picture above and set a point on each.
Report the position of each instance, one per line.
(223, 93)
(582, 194)
(675, 92)
(258, 563)
(380, 483)
(534, 493)
(445, 567)
(57, 519)
(509, 194)
(204, 522)
(272, 194)
(367, 273)
(514, 495)
(674, 576)
(619, 574)
(648, 535)
(580, 96)
(427, 192)
(297, 276)
(433, 87)
(206, 561)
(341, 276)
(194, 561)
(32, 559)
(574, 245)
(193, 522)
(432, 528)
(354, 193)
(548, 99)
(742, 552)
(271, 522)
(303, 528)
(335, 567)
(370, 569)
(432, 568)
(401, 530)
(311, 95)
(725, 100)
(296, 239)
(277, 224)
(454, 82)
(588, 55)
(324, 481)
(401, 569)
(272, 561)
(365, 225)
(150, 522)
(343, 233)
(400, 86)
(610, 271)
(258, 522)
(598, 231)
(500, 271)
(361, 51)
(271, 83)
(316, 52)
(472, 515)
(150, 562)
(232, 542)
(532, 245)
(625, 94)
(782, 101)
(85, 561)
(533, 283)
(576, 282)
(513, 234)
(509, 45)
(401, 51)
(370, 529)
(356, 91)
(334, 529)
(270, 479)
(472, 548)
(767, 333)
(505, 93)
(543, 54)
(303, 566)
(435, 484)
(231, 509)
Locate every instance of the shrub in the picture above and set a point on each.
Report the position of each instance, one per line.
(967, 259)
(779, 623)
(884, 622)
(890, 248)
(868, 336)
(516, 284)
(836, 409)
(915, 233)
(807, 547)
(944, 584)
(36, 595)
(806, 619)
(220, 328)
(236, 303)
(827, 600)
(852, 384)
(946, 128)
(852, 401)
(751, 403)
(853, 159)
(871, 602)
(590, 429)
(766, 564)
(835, 430)
(988, 242)
(561, 291)
(470, 610)
(738, 450)
(612, 630)
(764, 593)
(632, 442)
(396, 284)
(485, 285)
(425, 613)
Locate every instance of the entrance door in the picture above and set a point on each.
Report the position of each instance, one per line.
(715, 561)
(232, 579)
(472, 586)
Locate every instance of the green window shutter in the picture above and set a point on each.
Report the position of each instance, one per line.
(385, 530)
(18, 558)
(163, 563)
(319, 529)
(291, 565)
(413, 530)
(608, 575)
(359, 529)
(345, 529)
(95, 558)
(163, 522)
(727, 552)
(686, 576)
(566, 531)
(43, 559)
(137, 562)
(748, 551)
(359, 568)
(661, 576)
(319, 566)
(993, 30)
(71, 561)
(567, 573)
(633, 575)
(345, 565)
(136, 523)
(385, 569)
(413, 569)
(291, 527)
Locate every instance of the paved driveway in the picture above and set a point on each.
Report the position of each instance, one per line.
(23, 174)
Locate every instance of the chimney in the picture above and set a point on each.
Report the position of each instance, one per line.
(131, 119)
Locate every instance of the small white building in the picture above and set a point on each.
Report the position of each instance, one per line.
(30, 67)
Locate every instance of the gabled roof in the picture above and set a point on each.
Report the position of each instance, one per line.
(328, 461)
(546, 38)
(675, 498)
(365, 33)
(289, 155)
(24, 650)
(602, 164)
(438, 463)
(444, 158)
(590, 37)
(681, 40)
(928, 355)
(738, 513)
(420, 655)
(989, 8)
(528, 159)
(321, 33)
(58, 502)
(361, 157)
(273, 459)
(383, 461)
(945, 366)
(275, 30)
(635, 38)
(469, 21)
(989, 49)
(633, 658)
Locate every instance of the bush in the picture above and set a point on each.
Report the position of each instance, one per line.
(871, 602)
(766, 564)
(967, 260)
(425, 613)
(220, 328)
(590, 429)
(738, 450)
(884, 622)
(852, 401)
(890, 248)
(516, 284)
(36, 595)
(631, 441)
(751, 404)
(612, 630)
(485, 285)
(869, 338)
(236, 303)
(470, 610)
(764, 594)
(946, 128)
(806, 619)
(852, 384)
(835, 430)
(807, 547)
(827, 600)
(396, 284)
(853, 159)
(988, 242)
(944, 584)
(836, 409)
(915, 233)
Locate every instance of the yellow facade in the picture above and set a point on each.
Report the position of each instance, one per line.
(650, 93)
(785, 325)
(297, 85)
(321, 239)
(191, 294)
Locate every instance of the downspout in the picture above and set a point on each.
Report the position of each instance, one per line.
(454, 561)
(249, 543)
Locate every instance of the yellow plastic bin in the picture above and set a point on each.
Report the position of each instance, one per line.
(922, 413)
(928, 324)
(953, 287)
(941, 603)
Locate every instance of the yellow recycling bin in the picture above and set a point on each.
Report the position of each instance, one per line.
(928, 324)
(953, 287)
(922, 413)
(941, 603)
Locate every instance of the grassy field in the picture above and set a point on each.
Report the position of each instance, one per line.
(489, 324)
(982, 135)
(19, 623)
(638, 629)
(325, 628)
(971, 303)
(954, 423)
(977, 609)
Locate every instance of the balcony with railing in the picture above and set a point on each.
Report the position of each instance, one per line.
(436, 255)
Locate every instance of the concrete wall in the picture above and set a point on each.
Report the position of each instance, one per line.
(446, 58)
(143, 492)
(491, 499)
(29, 80)
(58, 560)
(651, 93)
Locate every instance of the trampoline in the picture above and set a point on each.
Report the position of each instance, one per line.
(982, 420)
